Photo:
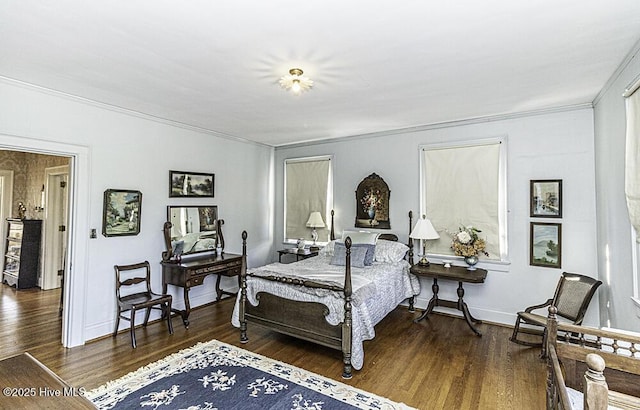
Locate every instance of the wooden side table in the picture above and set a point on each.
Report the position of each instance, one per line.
(457, 273)
(300, 253)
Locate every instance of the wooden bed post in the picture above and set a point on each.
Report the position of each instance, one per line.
(333, 232)
(243, 290)
(410, 238)
(412, 298)
(346, 326)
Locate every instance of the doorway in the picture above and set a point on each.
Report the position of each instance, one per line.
(77, 265)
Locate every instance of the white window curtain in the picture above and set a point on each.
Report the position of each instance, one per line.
(464, 185)
(308, 188)
(632, 156)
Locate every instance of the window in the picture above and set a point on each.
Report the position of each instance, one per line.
(308, 187)
(465, 184)
(631, 177)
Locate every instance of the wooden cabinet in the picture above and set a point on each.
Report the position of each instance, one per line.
(22, 253)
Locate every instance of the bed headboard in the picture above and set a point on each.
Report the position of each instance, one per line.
(385, 236)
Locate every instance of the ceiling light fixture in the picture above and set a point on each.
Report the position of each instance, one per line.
(295, 81)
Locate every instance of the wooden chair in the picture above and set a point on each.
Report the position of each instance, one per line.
(139, 296)
(572, 297)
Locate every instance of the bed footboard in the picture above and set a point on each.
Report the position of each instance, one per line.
(304, 320)
(298, 319)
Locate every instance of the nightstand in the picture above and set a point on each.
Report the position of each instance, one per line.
(457, 273)
(300, 253)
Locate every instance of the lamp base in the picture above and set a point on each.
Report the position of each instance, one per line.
(424, 261)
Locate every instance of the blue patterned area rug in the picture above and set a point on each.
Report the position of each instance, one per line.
(215, 375)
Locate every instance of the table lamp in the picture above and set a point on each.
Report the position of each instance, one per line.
(315, 221)
(424, 231)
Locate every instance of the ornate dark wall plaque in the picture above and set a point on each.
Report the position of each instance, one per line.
(372, 203)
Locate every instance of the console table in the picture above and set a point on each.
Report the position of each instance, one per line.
(457, 273)
(191, 272)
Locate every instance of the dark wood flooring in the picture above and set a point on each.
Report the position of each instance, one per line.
(435, 364)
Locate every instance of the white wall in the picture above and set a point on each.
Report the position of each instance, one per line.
(614, 229)
(124, 151)
(550, 146)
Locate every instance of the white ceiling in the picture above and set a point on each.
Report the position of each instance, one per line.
(376, 65)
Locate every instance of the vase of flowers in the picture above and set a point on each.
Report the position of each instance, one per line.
(371, 201)
(468, 244)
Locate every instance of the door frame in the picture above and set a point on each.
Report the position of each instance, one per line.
(49, 220)
(76, 266)
(6, 204)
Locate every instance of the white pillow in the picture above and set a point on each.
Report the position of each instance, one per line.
(369, 238)
(390, 251)
(328, 248)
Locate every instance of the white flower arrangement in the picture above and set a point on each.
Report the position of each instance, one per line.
(466, 242)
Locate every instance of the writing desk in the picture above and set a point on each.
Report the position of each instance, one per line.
(191, 272)
(456, 273)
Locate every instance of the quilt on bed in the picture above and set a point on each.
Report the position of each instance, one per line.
(377, 290)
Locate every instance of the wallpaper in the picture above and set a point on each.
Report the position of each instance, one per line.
(28, 177)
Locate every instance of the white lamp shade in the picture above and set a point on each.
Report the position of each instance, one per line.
(315, 220)
(424, 230)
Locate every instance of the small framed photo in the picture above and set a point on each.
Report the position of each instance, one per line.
(545, 244)
(546, 198)
(121, 212)
(190, 184)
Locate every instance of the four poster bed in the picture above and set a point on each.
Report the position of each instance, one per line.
(334, 299)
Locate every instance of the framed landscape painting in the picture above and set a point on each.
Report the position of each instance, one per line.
(546, 198)
(545, 244)
(121, 212)
(190, 184)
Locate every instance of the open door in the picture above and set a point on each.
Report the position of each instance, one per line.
(55, 226)
(6, 198)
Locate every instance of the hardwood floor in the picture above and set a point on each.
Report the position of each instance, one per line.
(435, 364)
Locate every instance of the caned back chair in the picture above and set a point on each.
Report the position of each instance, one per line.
(571, 299)
(137, 277)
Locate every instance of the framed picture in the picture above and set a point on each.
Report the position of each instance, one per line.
(190, 184)
(545, 244)
(121, 212)
(372, 203)
(546, 198)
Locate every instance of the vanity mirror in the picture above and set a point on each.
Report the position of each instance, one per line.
(192, 229)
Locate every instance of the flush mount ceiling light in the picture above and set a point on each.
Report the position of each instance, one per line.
(295, 82)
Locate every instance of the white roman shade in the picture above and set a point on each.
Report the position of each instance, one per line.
(464, 185)
(632, 156)
(308, 188)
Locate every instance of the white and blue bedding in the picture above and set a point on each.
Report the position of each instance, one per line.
(377, 290)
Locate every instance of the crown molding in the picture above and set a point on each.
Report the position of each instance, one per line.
(439, 125)
(616, 74)
(126, 111)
